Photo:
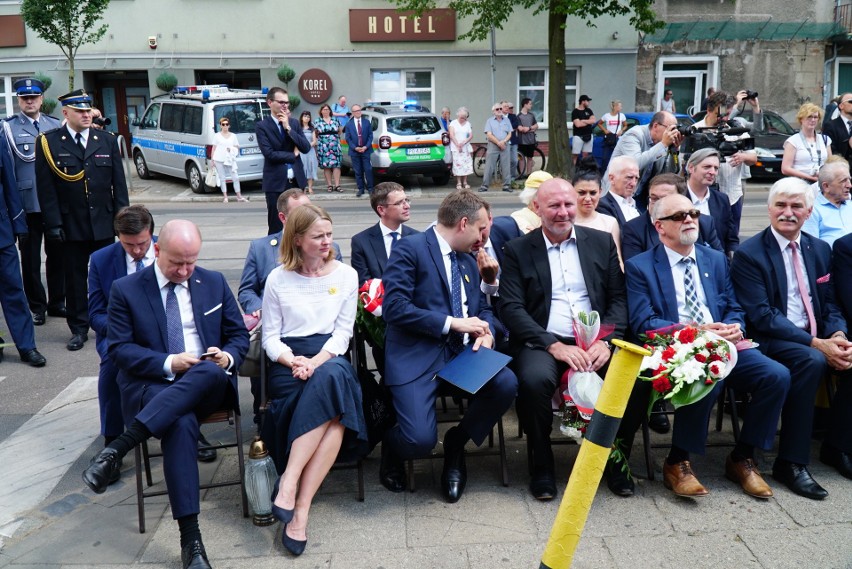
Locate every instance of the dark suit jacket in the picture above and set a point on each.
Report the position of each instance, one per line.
(84, 209)
(106, 265)
(13, 219)
(137, 334)
(526, 288)
(262, 257)
(278, 152)
(368, 252)
(504, 228)
(720, 211)
(839, 134)
(350, 135)
(609, 206)
(842, 275)
(416, 306)
(651, 297)
(639, 235)
(760, 281)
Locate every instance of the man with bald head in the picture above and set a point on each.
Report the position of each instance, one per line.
(177, 338)
(680, 282)
(549, 276)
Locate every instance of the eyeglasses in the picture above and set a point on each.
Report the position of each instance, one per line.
(224, 124)
(813, 117)
(281, 102)
(402, 202)
(681, 215)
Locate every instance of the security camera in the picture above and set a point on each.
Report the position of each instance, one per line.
(152, 42)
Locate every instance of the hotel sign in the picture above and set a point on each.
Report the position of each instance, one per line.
(391, 25)
(315, 86)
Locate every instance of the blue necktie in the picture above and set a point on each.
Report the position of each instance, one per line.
(139, 265)
(456, 339)
(174, 325)
(35, 125)
(693, 305)
(394, 237)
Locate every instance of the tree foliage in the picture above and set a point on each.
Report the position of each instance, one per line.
(67, 25)
(486, 14)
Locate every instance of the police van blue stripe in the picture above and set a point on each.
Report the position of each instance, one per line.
(184, 149)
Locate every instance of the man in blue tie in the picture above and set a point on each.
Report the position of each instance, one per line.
(433, 306)
(177, 337)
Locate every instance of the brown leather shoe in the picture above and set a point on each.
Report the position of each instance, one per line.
(680, 479)
(745, 473)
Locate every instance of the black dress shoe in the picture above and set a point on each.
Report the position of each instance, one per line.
(543, 486)
(58, 312)
(454, 475)
(76, 342)
(193, 555)
(39, 318)
(391, 470)
(205, 454)
(840, 460)
(618, 479)
(294, 546)
(32, 357)
(659, 421)
(797, 478)
(101, 470)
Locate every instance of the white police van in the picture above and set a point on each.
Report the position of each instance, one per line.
(175, 134)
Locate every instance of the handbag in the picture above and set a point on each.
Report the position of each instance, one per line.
(610, 139)
(252, 362)
(379, 414)
(212, 178)
(586, 137)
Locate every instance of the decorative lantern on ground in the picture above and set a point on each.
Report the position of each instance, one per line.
(260, 477)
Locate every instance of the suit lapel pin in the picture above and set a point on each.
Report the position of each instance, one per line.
(95, 137)
(466, 279)
(197, 281)
(706, 275)
(63, 137)
(332, 291)
(274, 242)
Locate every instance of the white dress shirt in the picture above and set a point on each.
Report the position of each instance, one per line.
(149, 257)
(445, 255)
(83, 133)
(796, 312)
(570, 295)
(627, 206)
(678, 275)
(387, 238)
(191, 339)
(701, 204)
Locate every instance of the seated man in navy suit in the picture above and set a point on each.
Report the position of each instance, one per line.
(177, 337)
(837, 448)
(433, 307)
(680, 282)
(783, 278)
(702, 169)
(262, 257)
(640, 235)
(371, 247)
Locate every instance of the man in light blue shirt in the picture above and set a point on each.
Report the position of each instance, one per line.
(498, 131)
(831, 217)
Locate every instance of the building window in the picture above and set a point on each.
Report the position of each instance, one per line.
(534, 83)
(8, 99)
(688, 78)
(403, 85)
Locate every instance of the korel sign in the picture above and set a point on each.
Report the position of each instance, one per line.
(315, 86)
(391, 25)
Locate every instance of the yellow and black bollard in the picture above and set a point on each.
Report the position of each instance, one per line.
(594, 452)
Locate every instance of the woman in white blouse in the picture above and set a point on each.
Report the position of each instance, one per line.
(226, 148)
(806, 151)
(309, 305)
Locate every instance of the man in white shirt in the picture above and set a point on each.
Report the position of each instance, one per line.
(623, 174)
(702, 169)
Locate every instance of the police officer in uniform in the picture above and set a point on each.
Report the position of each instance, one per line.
(21, 131)
(13, 224)
(81, 187)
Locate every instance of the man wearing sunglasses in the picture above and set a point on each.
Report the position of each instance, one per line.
(21, 131)
(838, 129)
(679, 282)
(278, 136)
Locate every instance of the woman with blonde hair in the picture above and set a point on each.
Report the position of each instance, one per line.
(806, 151)
(315, 408)
(461, 134)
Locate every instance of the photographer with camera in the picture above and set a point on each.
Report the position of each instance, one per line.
(653, 146)
(734, 168)
(98, 120)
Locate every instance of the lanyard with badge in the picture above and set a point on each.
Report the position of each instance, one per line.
(811, 154)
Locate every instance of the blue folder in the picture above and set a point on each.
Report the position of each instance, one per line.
(471, 370)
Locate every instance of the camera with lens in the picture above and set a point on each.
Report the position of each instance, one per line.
(726, 138)
(751, 94)
(102, 121)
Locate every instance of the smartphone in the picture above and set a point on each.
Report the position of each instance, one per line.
(206, 355)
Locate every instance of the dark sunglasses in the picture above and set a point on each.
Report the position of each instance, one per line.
(681, 215)
(224, 124)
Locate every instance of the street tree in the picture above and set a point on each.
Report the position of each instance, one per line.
(67, 25)
(495, 13)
